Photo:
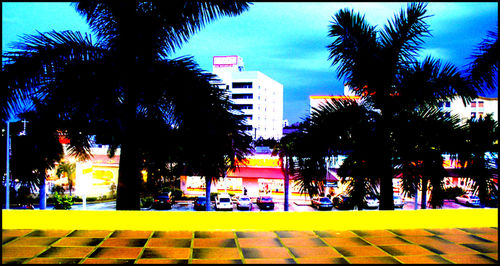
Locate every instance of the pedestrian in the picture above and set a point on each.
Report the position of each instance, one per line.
(244, 191)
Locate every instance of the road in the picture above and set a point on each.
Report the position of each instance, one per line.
(293, 207)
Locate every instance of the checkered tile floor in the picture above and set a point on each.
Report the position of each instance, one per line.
(453, 245)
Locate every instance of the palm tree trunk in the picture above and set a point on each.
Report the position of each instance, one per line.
(386, 188)
(129, 174)
(208, 182)
(423, 205)
(128, 197)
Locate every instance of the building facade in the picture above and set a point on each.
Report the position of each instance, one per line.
(261, 175)
(255, 96)
(479, 107)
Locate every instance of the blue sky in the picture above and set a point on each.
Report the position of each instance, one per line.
(285, 41)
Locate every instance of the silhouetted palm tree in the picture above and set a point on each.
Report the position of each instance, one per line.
(424, 135)
(346, 127)
(105, 87)
(214, 140)
(484, 67)
(34, 152)
(481, 141)
(284, 150)
(374, 63)
(69, 170)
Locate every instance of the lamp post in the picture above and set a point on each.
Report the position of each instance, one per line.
(7, 178)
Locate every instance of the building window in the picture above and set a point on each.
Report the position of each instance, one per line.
(243, 96)
(242, 106)
(473, 115)
(481, 114)
(248, 117)
(247, 128)
(448, 104)
(440, 104)
(481, 104)
(473, 105)
(242, 85)
(447, 114)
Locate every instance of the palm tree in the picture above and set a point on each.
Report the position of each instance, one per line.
(374, 64)
(481, 139)
(484, 67)
(284, 149)
(105, 87)
(214, 140)
(424, 135)
(69, 170)
(33, 153)
(346, 127)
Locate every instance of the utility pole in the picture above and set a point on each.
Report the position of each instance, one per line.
(7, 180)
(287, 181)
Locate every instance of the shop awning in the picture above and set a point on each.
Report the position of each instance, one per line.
(257, 172)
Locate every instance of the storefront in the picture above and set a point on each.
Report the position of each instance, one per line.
(95, 178)
(261, 175)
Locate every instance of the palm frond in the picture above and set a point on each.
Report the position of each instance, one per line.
(484, 67)
(353, 45)
(167, 24)
(402, 37)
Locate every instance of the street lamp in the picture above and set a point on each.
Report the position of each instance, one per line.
(7, 179)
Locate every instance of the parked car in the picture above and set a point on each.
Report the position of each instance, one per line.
(322, 203)
(162, 201)
(265, 202)
(492, 201)
(371, 202)
(342, 202)
(223, 202)
(398, 201)
(468, 200)
(200, 203)
(244, 202)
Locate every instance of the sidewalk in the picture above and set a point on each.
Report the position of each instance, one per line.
(453, 245)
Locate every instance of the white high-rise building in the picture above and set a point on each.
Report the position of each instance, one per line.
(255, 96)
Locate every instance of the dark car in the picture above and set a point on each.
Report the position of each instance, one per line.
(342, 202)
(322, 203)
(265, 202)
(492, 201)
(162, 201)
(200, 203)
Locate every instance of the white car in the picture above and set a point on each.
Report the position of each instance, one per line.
(371, 202)
(244, 202)
(398, 201)
(468, 200)
(223, 202)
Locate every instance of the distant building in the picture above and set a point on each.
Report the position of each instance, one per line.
(255, 96)
(479, 107)
(315, 101)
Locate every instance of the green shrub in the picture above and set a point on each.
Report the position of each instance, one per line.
(77, 199)
(62, 202)
(147, 202)
(91, 199)
(453, 192)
